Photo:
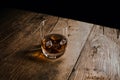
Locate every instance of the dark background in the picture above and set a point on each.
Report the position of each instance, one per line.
(97, 12)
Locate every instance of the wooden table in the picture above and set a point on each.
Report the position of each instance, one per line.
(93, 51)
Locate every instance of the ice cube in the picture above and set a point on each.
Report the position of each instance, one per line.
(49, 44)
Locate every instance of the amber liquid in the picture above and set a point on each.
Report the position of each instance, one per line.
(53, 45)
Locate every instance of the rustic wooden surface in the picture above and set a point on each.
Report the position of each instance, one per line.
(100, 58)
(93, 51)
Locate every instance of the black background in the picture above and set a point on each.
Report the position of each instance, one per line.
(97, 12)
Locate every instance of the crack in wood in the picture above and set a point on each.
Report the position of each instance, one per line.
(118, 33)
(76, 64)
(73, 70)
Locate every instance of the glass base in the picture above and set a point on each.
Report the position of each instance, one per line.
(52, 55)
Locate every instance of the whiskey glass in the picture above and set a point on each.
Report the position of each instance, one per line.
(54, 43)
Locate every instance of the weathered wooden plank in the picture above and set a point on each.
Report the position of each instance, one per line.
(29, 64)
(77, 36)
(113, 34)
(22, 29)
(10, 17)
(11, 22)
(100, 58)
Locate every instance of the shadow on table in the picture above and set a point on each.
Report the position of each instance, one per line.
(43, 68)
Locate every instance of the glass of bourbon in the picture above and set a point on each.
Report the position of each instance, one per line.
(54, 43)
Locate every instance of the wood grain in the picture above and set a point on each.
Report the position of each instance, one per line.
(77, 36)
(26, 62)
(22, 29)
(100, 58)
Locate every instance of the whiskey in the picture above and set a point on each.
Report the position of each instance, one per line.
(53, 45)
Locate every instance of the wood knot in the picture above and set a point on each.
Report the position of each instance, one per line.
(69, 35)
(94, 50)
